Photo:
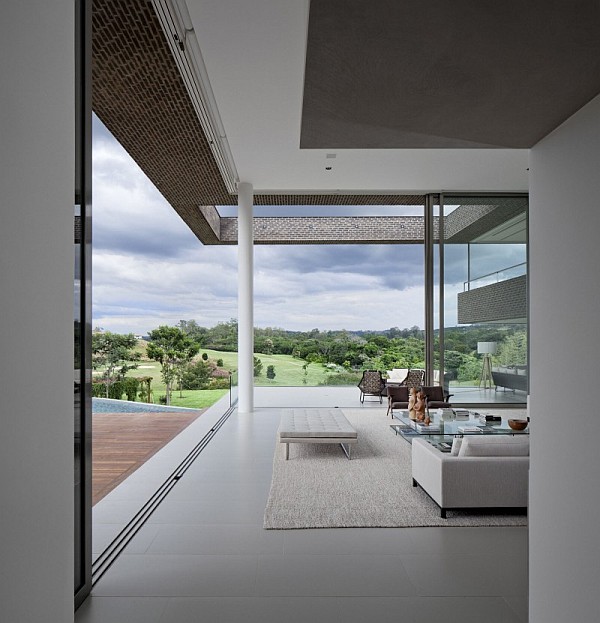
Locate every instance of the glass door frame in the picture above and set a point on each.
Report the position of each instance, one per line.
(83, 299)
(432, 200)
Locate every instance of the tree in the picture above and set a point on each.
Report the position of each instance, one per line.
(197, 375)
(305, 368)
(114, 353)
(180, 369)
(193, 330)
(258, 366)
(271, 372)
(171, 348)
(513, 350)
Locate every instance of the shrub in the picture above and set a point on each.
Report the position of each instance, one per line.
(162, 400)
(271, 372)
(219, 363)
(130, 387)
(116, 390)
(220, 383)
(196, 376)
(98, 390)
(219, 373)
(342, 378)
(470, 370)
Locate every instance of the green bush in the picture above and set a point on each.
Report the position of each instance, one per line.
(130, 387)
(222, 383)
(196, 376)
(342, 378)
(98, 390)
(470, 370)
(162, 400)
(116, 390)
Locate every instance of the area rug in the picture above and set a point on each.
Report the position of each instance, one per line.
(318, 487)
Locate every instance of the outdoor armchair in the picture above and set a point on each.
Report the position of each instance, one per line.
(371, 384)
(414, 378)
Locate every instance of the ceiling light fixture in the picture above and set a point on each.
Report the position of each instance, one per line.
(179, 31)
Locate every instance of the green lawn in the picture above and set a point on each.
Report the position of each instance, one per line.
(288, 369)
(288, 372)
(197, 398)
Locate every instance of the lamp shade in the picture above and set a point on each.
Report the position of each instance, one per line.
(486, 348)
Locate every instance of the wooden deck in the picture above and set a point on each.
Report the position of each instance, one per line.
(122, 442)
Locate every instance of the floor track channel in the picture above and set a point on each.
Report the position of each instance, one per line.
(118, 544)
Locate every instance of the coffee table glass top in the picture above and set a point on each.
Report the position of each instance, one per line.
(450, 424)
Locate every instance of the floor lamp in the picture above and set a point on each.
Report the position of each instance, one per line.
(487, 349)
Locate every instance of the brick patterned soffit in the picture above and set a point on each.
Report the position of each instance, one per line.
(469, 221)
(331, 230)
(140, 97)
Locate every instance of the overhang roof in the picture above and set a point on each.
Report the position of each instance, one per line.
(255, 52)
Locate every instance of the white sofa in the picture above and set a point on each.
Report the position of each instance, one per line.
(488, 471)
(396, 375)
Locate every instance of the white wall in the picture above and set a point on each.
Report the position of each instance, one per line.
(36, 311)
(565, 375)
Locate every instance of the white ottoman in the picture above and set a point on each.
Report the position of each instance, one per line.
(316, 426)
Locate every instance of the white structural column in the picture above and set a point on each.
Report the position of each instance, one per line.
(245, 299)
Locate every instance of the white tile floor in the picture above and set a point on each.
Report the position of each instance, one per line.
(203, 556)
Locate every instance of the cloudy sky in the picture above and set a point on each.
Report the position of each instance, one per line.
(149, 269)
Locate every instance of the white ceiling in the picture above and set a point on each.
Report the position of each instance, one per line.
(254, 52)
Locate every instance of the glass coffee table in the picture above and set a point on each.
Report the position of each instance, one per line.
(444, 427)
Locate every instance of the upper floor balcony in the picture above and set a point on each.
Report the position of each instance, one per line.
(496, 297)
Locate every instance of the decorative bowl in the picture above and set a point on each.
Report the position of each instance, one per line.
(518, 424)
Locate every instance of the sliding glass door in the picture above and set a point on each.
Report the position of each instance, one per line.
(82, 303)
(480, 298)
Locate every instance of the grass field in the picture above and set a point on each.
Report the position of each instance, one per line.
(288, 372)
(197, 398)
(288, 369)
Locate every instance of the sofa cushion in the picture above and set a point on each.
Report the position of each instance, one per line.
(397, 375)
(490, 445)
(456, 444)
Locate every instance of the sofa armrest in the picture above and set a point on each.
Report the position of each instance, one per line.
(470, 482)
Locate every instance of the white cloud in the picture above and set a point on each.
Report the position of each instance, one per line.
(149, 269)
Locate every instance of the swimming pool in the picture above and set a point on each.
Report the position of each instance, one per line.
(108, 405)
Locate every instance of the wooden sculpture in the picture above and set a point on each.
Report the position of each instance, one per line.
(420, 406)
(412, 397)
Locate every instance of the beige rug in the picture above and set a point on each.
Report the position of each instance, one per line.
(319, 488)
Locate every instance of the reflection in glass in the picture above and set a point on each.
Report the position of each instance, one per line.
(81, 303)
(484, 293)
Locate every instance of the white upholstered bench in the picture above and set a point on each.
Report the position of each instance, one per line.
(316, 426)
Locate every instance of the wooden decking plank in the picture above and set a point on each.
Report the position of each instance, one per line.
(122, 442)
